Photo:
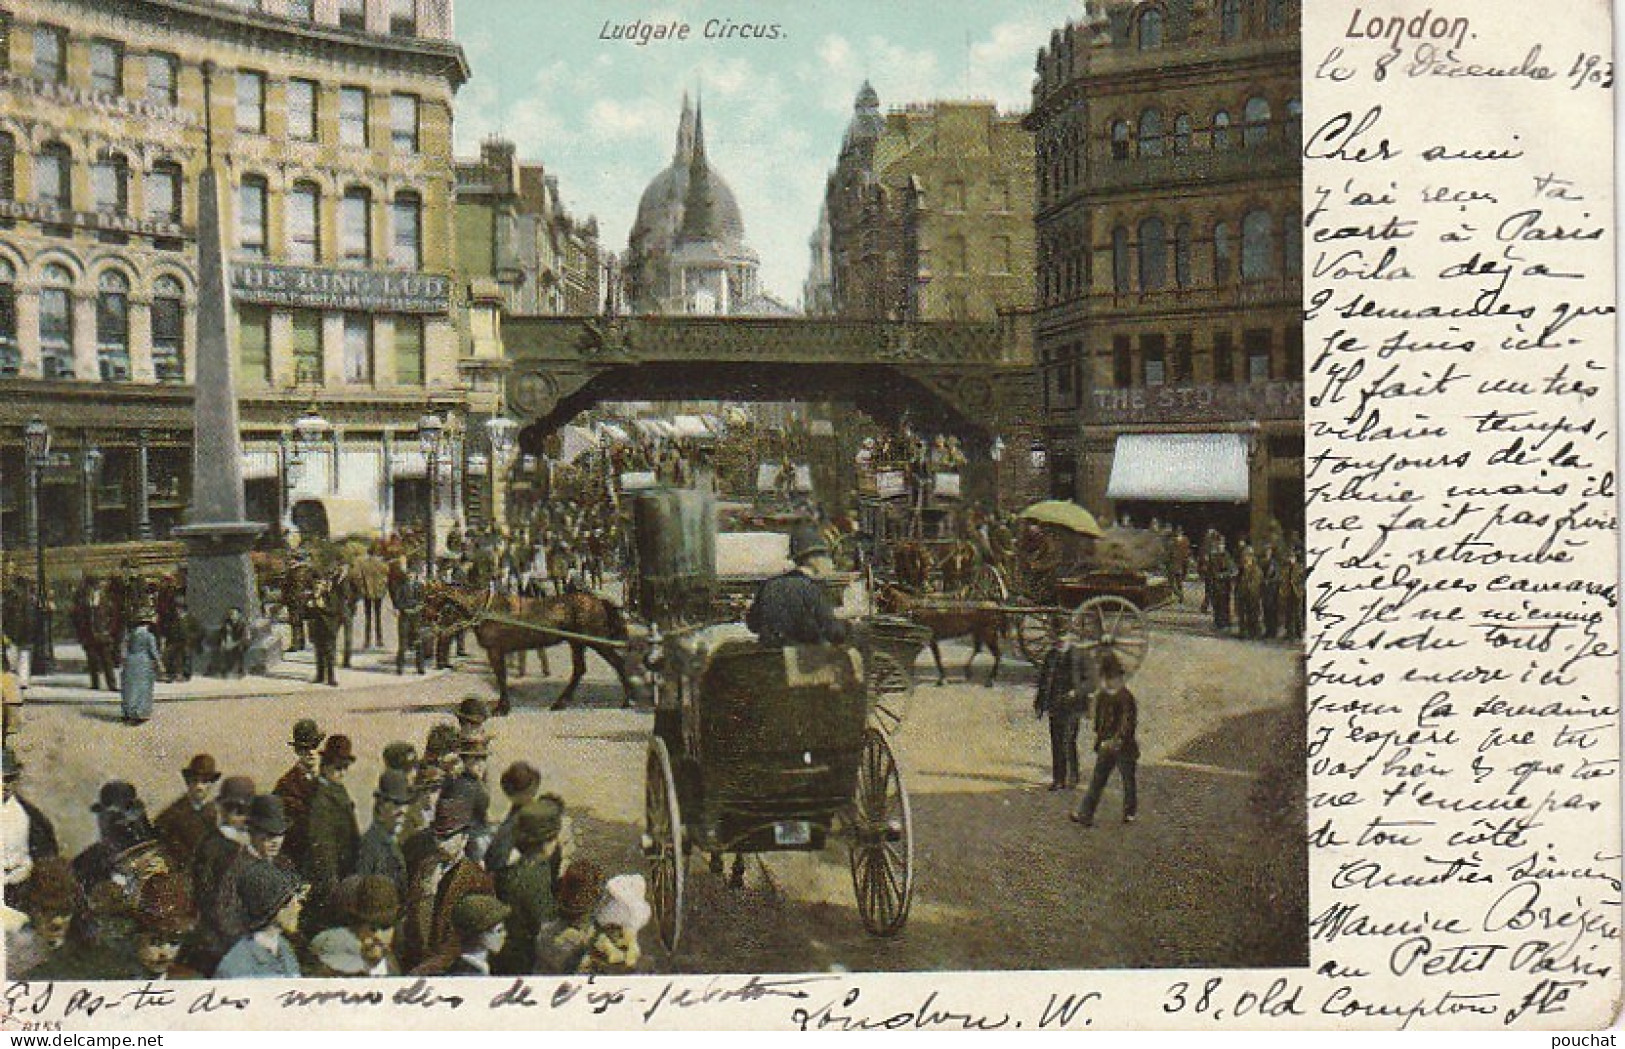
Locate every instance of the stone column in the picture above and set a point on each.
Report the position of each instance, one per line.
(282, 364)
(332, 349)
(86, 368)
(28, 332)
(141, 369)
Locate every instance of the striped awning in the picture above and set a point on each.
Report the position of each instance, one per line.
(1179, 467)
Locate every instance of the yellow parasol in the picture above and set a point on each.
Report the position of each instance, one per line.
(1063, 514)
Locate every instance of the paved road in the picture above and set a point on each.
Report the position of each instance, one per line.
(1213, 874)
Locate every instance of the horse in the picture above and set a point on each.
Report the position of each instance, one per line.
(916, 565)
(981, 624)
(513, 628)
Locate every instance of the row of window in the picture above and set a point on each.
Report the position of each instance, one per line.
(303, 225)
(110, 177)
(1236, 18)
(357, 355)
(1152, 138)
(403, 15)
(56, 325)
(1163, 361)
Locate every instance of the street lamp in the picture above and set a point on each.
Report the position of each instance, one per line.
(996, 453)
(91, 463)
(430, 430)
(37, 446)
(503, 433)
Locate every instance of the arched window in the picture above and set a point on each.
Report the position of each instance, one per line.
(56, 322)
(1223, 254)
(406, 231)
(304, 223)
(1182, 254)
(8, 167)
(1257, 246)
(1182, 133)
(1120, 140)
(1153, 255)
(53, 169)
(113, 326)
(164, 192)
(1294, 123)
(251, 210)
(1257, 114)
(1150, 34)
(168, 330)
(10, 357)
(1151, 133)
(355, 226)
(1120, 276)
(1221, 131)
(1230, 20)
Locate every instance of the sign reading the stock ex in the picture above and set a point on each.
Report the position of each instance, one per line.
(368, 290)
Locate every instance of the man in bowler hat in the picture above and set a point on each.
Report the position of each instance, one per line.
(527, 885)
(298, 785)
(271, 902)
(1064, 686)
(189, 819)
(792, 608)
(429, 941)
(379, 851)
(267, 828)
(333, 832)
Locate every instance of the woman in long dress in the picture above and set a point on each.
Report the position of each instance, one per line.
(141, 662)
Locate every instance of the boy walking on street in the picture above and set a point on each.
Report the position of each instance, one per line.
(1116, 717)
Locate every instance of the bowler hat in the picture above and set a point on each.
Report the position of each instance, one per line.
(478, 913)
(442, 740)
(370, 899)
(806, 541)
(266, 816)
(263, 890)
(401, 756)
(1110, 666)
(306, 736)
(13, 767)
(338, 751)
(579, 888)
(452, 815)
(201, 769)
(519, 778)
(116, 796)
(394, 786)
(538, 822)
(165, 908)
(236, 792)
(473, 710)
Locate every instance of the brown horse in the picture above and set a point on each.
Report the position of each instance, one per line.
(503, 625)
(981, 624)
(917, 564)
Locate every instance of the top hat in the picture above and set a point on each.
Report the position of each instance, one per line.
(538, 822)
(201, 769)
(338, 751)
(579, 888)
(394, 786)
(477, 913)
(236, 792)
(306, 736)
(116, 796)
(165, 907)
(266, 816)
(401, 756)
(263, 890)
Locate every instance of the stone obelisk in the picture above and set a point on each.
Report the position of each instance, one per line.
(219, 574)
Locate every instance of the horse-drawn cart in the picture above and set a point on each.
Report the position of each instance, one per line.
(760, 749)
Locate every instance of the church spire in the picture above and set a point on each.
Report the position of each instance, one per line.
(685, 133)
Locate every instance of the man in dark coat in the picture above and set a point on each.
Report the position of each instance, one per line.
(333, 834)
(322, 615)
(215, 856)
(298, 785)
(1064, 686)
(520, 782)
(527, 886)
(429, 941)
(192, 817)
(1116, 743)
(379, 852)
(267, 826)
(792, 608)
(1221, 572)
(121, 820)
(408, 599)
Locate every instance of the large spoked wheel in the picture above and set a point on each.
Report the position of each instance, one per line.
(891, 686)
(987, 584)
(1037, 634)
(663, 844)
(882, 840)
(1116, 625)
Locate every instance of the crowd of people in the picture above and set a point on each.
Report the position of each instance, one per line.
(1255, 590)
(233, 881)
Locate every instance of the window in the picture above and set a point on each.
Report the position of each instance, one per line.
(254, 344)
(110, 184)
(955, 254)
(1122, 361)
(1257, 343)
(302, 110)
(353, 14)
(1257, 246)
(10, 357)
(50, 54)
(1224, 357)
(106, 67)
(1150, 34)
(1120, 278)
(251, 194)
(1257, 114)
(1151, 133)
(357, 348)
(1293, 337)
(303, 10)
(308, 367)
(352, 116)
(8, 167)
(1182, 133)
(406, 230)
(403, 17)
(1179, 369)
(1221, 131)
(251, 103)
(1003, 257)
(304, 224)
(1154, 359)
(163, 74)
(1294, 123)
(1182, 255)
(1230, 20)
(409, 351)
(113, 327)
(355, 226)
(164, 192)
(56, 323)
(1275, 15)
(52, 176)
(403, 123)
(1223, 254)
(168, 331)
(1153, 254)
(1120, 137)
(1292, 245)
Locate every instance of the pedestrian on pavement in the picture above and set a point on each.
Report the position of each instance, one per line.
(1220, 582)
(526, 886)
(1249, 595)
(188, 820)
(1064, 686)
(474, 752)
(429, 941)
(409, 625)
(1270, 600)
(141, 664)
(1116, 743)
(298, 785)
(182, 636)
(271, 901)
(479, 921)
(372, 581)
(379, 852)
(322, 621)
(334, 836)
(369, 906)
(1291, 585)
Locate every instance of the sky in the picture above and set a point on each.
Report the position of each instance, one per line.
(602, 114)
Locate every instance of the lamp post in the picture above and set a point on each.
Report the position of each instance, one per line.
(37, 445)
(503, 434)
(309, 431)
(430, 429)
(996, 453)
(91, 465)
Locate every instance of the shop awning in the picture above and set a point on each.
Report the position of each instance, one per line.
(1179, 467)
(690, 426)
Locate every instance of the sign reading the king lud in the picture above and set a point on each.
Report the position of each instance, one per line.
(372, 290)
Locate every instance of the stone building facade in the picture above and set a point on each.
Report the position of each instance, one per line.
(331, 121)
(1169, 322)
